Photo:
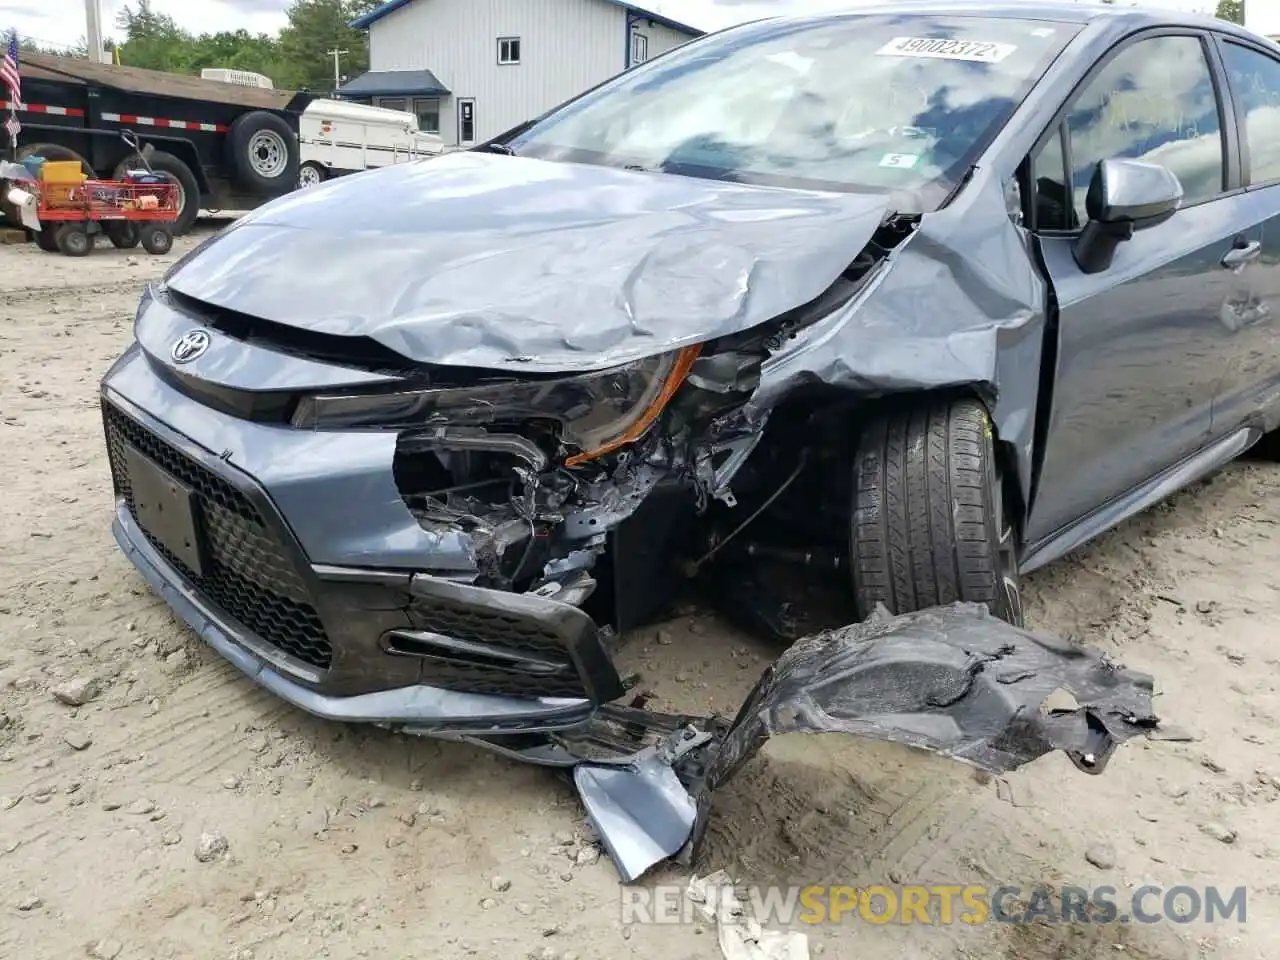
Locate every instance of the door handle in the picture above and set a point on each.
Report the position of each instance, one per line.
(1239, 256)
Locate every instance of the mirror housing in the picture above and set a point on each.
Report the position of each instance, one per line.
(1124, 196)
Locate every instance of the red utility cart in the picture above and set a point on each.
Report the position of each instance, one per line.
(129, 212)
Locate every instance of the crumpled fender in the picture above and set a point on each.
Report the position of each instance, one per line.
(959, 303)
(955, 681)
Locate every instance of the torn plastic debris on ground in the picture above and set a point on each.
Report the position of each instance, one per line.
(955, 681)
(738, 934)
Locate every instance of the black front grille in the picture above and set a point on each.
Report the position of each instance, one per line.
(510, 631)
(249, 573)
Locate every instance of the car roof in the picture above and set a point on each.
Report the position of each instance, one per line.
(1081, 13)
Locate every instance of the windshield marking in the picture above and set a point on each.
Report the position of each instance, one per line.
(937, 48)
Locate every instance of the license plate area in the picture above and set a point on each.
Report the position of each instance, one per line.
(166, 509)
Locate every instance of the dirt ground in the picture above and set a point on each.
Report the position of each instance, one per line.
(348, 842)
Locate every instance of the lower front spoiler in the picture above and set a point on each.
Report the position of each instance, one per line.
(951, 680)
(423, 708)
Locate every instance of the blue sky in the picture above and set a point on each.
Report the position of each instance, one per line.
(62, 21)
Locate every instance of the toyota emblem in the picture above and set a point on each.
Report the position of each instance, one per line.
(190, 345)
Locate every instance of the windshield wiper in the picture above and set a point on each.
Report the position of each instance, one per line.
(501, 148)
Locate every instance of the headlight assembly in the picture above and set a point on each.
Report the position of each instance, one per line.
(597, 412)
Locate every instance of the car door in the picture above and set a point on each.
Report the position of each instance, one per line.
(1250, 387)
(1138, 345)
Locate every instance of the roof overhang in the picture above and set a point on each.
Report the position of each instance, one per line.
(394, 83)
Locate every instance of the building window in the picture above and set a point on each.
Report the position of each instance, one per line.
(392, 103)
(508, 51)
(639, 48)
(428, 111)
(466, 122)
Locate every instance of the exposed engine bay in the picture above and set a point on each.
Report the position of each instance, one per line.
(516, 468)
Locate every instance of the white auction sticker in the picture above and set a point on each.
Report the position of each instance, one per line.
(937, 48)
(904, 161)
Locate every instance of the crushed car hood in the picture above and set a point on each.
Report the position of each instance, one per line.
(492, 261)
(955, 681)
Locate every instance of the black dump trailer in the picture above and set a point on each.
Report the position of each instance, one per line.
(228, 147)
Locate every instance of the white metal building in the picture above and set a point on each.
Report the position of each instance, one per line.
(471, 69)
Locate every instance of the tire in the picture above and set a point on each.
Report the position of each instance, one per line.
(47, 239)
(74, 240)
(928, 524)
(122, 234)
(311, 175)
(264, 153)
(176, 171)
(157, 238)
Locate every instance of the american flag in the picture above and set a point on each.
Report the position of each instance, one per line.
(9, 70)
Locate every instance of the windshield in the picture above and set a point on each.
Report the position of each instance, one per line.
(881, 104)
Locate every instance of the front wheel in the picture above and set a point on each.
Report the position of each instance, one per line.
(929, 525)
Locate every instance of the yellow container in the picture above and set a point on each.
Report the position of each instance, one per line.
(62, 171)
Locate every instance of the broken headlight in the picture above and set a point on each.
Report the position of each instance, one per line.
(597, 412)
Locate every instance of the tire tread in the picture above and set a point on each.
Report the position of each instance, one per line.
(923, 518)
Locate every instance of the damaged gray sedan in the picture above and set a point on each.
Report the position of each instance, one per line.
(910, 302)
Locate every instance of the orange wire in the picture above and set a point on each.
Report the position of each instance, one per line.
(679, 370)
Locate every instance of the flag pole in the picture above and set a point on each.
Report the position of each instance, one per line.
(11, 125)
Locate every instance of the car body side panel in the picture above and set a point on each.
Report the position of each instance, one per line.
(1138, 358)
(1251, 387)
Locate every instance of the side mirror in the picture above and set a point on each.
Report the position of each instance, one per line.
(1124, 196)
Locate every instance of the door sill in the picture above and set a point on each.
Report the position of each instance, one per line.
(1199, 464)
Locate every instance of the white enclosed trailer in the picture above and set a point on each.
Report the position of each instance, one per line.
(338, 137)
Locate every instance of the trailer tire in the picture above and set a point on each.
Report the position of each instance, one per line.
(311, 174)
(122, 234)
(264, 153)
(157, 238)
(47, 239)
(176, 171)
(74, 240)
(51, 151)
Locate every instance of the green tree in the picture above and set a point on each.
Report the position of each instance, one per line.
(299, 57)
(78, 49)
(1232, 10)
(153, 40)
(316, 27)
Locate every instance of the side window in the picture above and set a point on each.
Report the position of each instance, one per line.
(1154, 101)
(1256, 79)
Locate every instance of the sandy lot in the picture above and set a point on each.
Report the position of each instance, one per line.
(348, 842)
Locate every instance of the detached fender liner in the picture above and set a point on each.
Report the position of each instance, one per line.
(955, 681)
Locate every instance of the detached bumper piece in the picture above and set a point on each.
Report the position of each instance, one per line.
(955, 681)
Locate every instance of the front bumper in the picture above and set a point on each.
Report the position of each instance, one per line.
(356, 644)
